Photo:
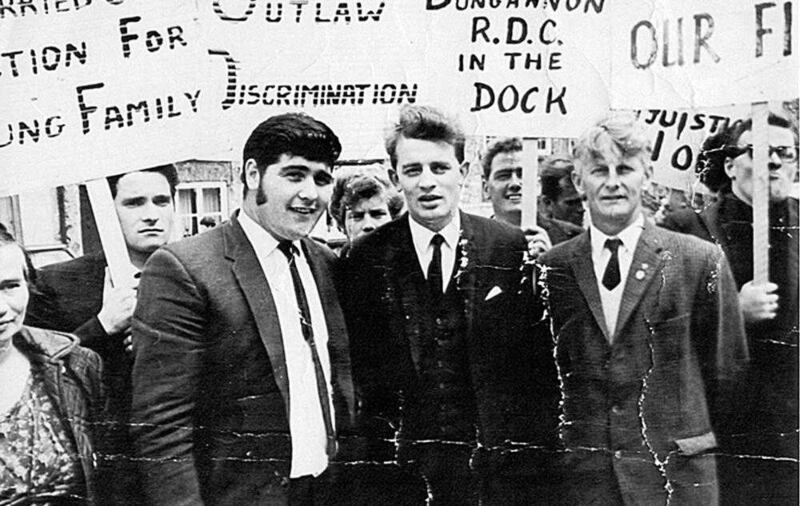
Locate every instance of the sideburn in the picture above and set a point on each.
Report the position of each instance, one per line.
(261, 197)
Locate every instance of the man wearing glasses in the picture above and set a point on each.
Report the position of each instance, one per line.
(766, 426)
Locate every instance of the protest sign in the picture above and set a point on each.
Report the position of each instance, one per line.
(95, 87)
(525, 68)
(683, 54)
(677, 137)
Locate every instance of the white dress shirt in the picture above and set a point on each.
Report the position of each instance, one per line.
(306, 422)
(611, 299)
(422, 245)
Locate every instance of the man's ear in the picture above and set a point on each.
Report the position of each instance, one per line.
(464, 169)
(575, 175)
(730, 170)
(648, 175)
(252, 176)
(485, 186)
(393, 177)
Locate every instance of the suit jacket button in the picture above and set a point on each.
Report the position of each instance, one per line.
(616, 409)
(618, 454)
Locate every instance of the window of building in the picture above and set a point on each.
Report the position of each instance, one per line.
(201, 206)
(9, 215)
(543, 145)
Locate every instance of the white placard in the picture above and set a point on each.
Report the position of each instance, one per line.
(96, 87)
(530, 68)
(689, 53)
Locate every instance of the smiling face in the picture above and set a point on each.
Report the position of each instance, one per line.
(504, 186)
(430, 176)
(290, 196)
(612, 185)
(145, 211)
(781, 170)
(13, 292)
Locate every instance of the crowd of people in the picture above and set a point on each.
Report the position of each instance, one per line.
(439, 358)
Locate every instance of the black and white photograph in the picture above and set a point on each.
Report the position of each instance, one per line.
(399, 252)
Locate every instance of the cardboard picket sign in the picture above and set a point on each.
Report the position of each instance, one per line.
(687, 54)
(91, 87)
(505, 70)
(677, 137)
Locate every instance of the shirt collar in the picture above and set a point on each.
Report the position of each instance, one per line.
(261, 240)
(629, 235)
(422, 236)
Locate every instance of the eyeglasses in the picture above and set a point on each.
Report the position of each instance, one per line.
(785, 153)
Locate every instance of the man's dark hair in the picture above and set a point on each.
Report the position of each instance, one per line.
(507, 145)
(710, 163)
(169, 172)
(427, 124)
(552, 170)
(294, 134)
(360, 184)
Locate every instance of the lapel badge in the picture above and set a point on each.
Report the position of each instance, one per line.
(640, 274)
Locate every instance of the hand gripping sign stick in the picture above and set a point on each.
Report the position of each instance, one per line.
(760, 132)
(121, 269)
(530, 182)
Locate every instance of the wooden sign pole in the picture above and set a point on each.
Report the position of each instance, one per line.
(120, 267)
(530, 182)
(760, 139)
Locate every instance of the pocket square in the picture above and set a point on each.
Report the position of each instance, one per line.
(494, 292)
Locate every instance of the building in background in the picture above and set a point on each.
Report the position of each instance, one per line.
(56, 224)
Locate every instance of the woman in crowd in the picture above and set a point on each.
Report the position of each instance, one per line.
(50, 397)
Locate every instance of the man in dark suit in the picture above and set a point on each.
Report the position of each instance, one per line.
(442, 348)
(242, 372)
(648, 338)
(77, 296)
(760, 446)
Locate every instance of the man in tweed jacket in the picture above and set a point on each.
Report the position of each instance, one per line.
(648, 339)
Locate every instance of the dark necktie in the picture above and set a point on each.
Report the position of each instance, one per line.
(611, 277)
(435, 267)
(289, 250)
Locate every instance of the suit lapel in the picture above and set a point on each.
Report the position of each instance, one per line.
(581, 262)
(646, 263)
(249, 274)
(475, 255)
(338, 345)
(407, 273)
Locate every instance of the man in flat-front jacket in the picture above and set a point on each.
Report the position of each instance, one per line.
(242, 373)
(648, 339)
(438, 312)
